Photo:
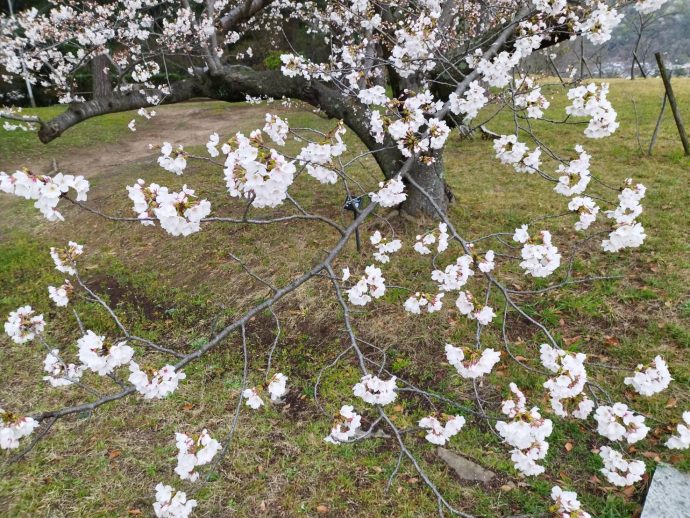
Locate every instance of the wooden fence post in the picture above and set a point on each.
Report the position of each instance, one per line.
(658, 124)
(672, 101)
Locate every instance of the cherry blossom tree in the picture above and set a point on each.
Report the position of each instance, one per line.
(401, 76)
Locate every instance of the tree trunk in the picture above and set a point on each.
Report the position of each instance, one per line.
(430, 179)
(101, 86)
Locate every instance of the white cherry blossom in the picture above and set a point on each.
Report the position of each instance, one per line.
(60, 295)
(24, 325)
(171, 503)
(60, 374)
(99, 356)
(390, 193)
(13, 428)
(375, 391)
(617, 422)
(619, 471)
(567, 505)
(475, 365)
(345, 426)
(194, 451)
(65, 259)
(681, 441)
(277, 386)
(440, 433)
(155, 384)
(651, 379)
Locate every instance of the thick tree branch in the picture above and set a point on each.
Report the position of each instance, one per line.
(242, 13)
(78, 112)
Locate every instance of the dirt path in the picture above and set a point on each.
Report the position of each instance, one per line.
(188, 124)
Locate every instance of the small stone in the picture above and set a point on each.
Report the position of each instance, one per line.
(465, 469)
(669, 494)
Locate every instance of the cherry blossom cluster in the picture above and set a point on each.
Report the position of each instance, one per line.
(526, 433)
(416, 302)
(487, 264)
(455, 275)
(528, 97)
(178, 213)
(144, 198)
(590, 100)
(566, 504)
(481, 313)
(651, 379)
(417, 131)
(171, 503)
(155, 384)
(390, 194)
(472, 364)
(619, 471)
(681, 441)
(60, 295)
(13, 428)
(318, 157)
(193, 452)
(276, 387)
(24, 325)
(346, 426)
(539, 259)
(45, 190)
(276, 128)
(65, 258)
(384, 247)
(575, 176)
(422, 242)
(372, 285)
(61, 374)
(173, 160)
(510, 151)
(617, 422)
(600, 24)
(101, 357)
(375, 391)
(440, 433)
(471, 102)
(587, 210)
(566, 388)
(254, 172)
(628, 232)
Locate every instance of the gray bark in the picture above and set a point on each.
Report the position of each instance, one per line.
(431, 179)
(100, 78)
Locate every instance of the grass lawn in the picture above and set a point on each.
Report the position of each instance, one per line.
(177, 290)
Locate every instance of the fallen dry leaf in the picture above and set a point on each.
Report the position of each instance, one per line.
(113, 454)
(611, 340)
(676, 458)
